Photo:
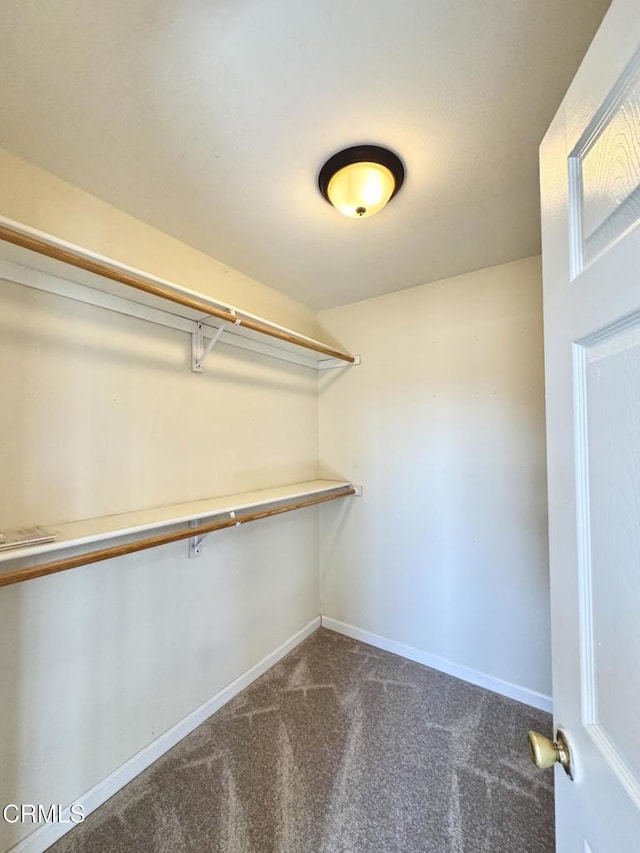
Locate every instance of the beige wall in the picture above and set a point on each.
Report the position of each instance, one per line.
(39, 199)
(100, 413)
(443, 423)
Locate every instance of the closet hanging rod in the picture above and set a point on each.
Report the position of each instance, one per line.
(74, 256)
(32, 572)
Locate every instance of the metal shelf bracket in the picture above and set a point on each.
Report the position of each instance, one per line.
(199, 351)
(195, 542)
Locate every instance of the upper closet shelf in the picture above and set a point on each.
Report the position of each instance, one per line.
(38, 260)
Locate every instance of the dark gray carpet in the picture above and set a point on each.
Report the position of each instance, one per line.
(340, 748)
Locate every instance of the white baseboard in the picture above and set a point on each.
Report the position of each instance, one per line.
(512, 691)
(43, 837)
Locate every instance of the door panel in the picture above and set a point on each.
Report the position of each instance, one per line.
(590, 184)
(607, 435)
(605, 172)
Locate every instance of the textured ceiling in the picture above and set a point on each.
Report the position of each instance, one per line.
(210, 120)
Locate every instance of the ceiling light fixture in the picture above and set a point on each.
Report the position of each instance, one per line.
(359, 181)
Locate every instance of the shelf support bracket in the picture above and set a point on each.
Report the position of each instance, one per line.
(199, 351)
(195, 542)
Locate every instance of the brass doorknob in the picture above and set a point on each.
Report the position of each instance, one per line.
(545, 752)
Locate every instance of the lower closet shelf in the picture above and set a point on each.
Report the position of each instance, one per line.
(203, 517)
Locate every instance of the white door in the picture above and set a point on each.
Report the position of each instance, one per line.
(590, 179)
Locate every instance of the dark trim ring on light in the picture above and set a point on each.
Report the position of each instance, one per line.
(361, 154)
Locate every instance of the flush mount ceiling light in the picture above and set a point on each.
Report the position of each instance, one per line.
(359, 181)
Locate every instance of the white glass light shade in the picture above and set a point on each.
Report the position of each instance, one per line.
(361, 189)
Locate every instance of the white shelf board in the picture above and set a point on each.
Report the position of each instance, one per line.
(32, 269)
(76, 533)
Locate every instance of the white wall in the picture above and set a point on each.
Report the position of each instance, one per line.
(101, 413)
(443, 423)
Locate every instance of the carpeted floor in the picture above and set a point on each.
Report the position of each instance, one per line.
(340, 748)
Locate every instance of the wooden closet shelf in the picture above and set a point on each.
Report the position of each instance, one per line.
(77, 273)
(240, 509)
